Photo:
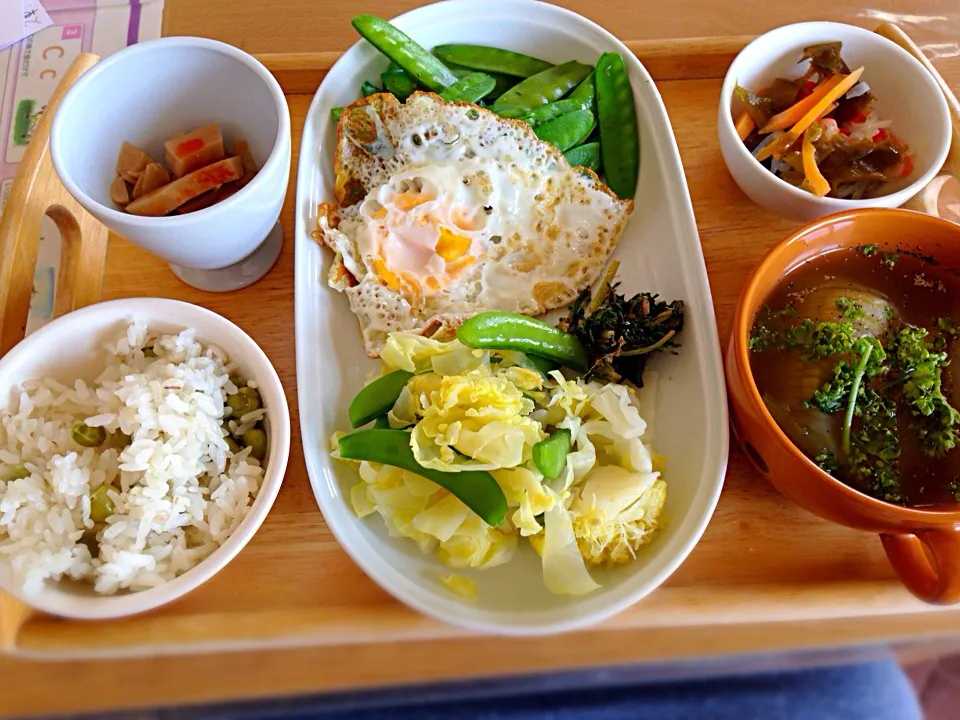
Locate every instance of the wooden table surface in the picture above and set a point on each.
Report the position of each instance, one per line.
(311, 25)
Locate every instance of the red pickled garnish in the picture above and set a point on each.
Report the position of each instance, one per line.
(189, 146)
(907, 166)
(844, 131)
(858, 118)
(808, 87)
(880, 136)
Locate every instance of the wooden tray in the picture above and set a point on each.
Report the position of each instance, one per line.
(762, 560)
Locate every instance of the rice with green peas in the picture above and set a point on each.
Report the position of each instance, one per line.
(174, 489)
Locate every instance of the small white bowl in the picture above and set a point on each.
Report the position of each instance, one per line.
(147, 93)
(68, 348)
(905, 91)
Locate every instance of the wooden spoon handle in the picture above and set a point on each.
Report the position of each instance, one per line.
(37, 191)
(897, 35)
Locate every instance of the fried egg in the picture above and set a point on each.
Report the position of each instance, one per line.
(446, 209)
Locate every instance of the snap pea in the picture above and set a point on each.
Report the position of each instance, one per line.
(399, 83)
(477, 489)
(471, 88)
(512, 331)
(491, 59)
(580, 99)
(377, 397)
(619, 139)
(550, 455)
(585, 92)
(547, 86)
(532, 362)
(586, 155)
(86, 436)
(368, 89)
(504, 82)
(401, 49)
(381, 423)
(336, 112)
(509, 111)
(568, 130)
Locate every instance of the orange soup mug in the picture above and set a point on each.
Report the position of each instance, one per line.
(923, 546)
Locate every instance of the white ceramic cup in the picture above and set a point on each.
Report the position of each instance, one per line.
(906, 94)
(42, 354)
(147, 93)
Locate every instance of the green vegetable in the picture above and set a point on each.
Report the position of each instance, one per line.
(245, 400)
(550, 455)
(619, 136)
(381, 423)
(491, 59)
(477, 489)
(509, 111)
(585, 93)
(378, 397)
(368, 88)
(582, 98)
(890, 259)
(543, 365)
(17, 472)
(83, 434)
(397, 46)
(117, 440)
(869, 250)
(586, 155)
(336, 112)
(232, 445)
(569, 130)
(399, 83)
(256, 440)
(101, 506)
(471, 89)
(546, 86)
(933, 417)
(759, 108)
(620, 334)
(851, 311)
(512, 331)
(503, 82)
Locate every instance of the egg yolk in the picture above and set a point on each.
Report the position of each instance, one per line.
(420, 246)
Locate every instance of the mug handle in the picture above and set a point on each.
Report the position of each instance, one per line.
(937, 582)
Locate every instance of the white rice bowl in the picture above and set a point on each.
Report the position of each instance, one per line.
(178, 491)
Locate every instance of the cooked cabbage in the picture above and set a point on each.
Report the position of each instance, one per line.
(485, 410)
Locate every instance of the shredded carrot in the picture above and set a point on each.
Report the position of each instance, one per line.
(783, 143)
(790, 116)
(814, 181)
(744, 124)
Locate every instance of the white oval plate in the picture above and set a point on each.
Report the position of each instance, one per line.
(660, 251)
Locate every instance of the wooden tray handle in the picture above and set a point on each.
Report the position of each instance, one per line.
(37, 191)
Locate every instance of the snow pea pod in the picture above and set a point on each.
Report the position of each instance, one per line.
(504, 82)
(580, 99)
(491, 59)
(401, 49)
(568, 130)
(512, 331)
(399, 83)
(586, 155)
(368, 88)
(619, 139)
(547, 86)
(336, 112)
(550, 455)
(477, 489)
(471, 88)
(377, 397)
